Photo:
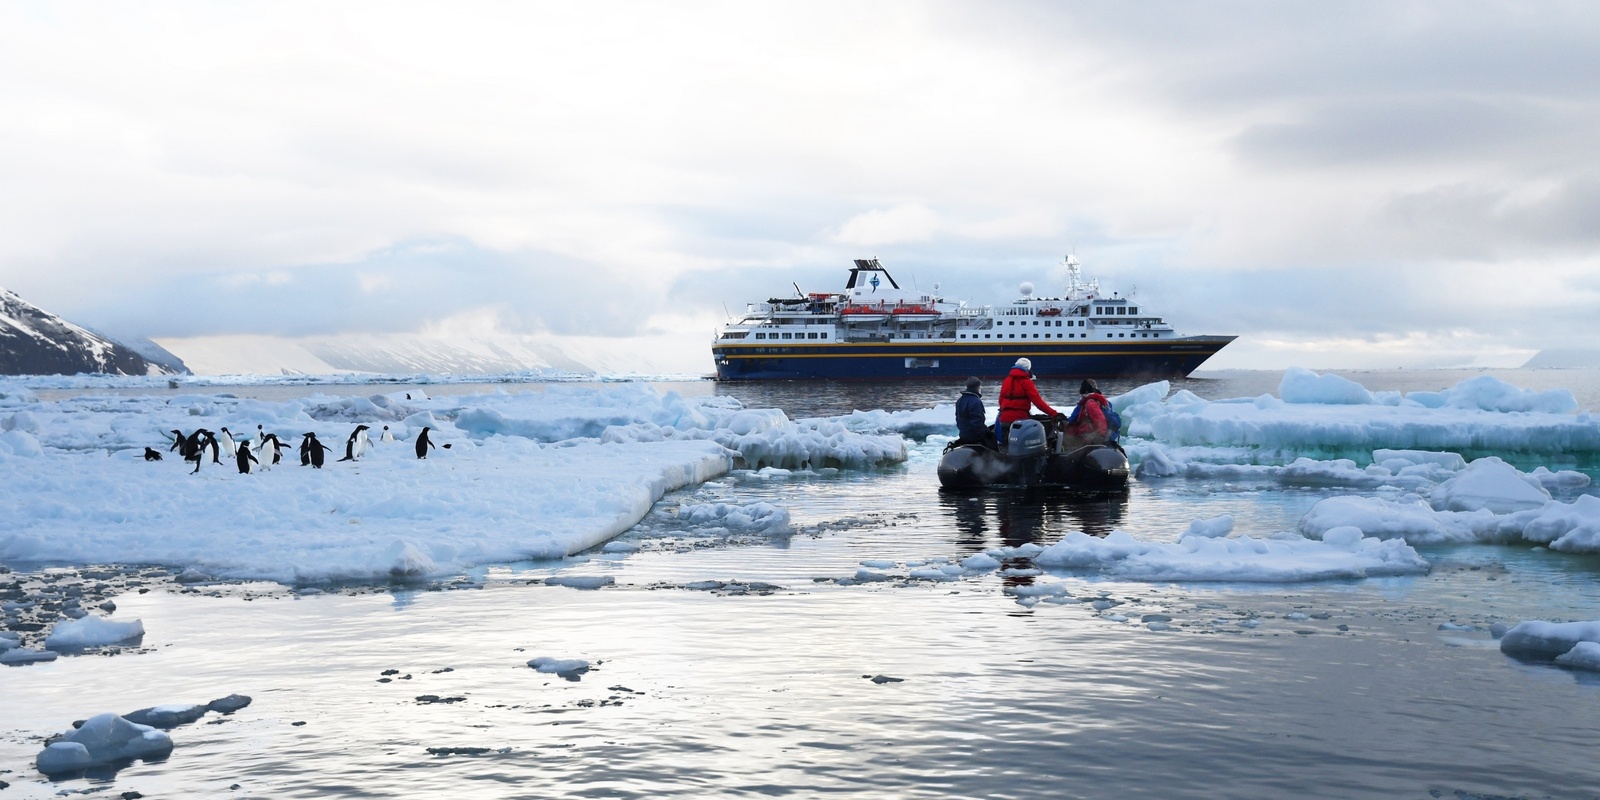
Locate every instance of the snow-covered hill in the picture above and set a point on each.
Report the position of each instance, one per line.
(35, 342)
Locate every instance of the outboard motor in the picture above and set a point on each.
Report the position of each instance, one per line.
(1025, 438)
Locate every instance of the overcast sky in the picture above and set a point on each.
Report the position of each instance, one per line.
(1341, 184)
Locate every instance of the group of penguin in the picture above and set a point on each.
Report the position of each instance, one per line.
(270, 448)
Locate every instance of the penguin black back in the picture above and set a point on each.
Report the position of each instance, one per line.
(151, 454)
(244, 457)
(423, 443)
(315, 449)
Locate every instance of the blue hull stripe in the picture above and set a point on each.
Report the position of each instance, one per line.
(921, 359)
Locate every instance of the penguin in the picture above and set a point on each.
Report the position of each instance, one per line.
(305, 449)
(314, 449)
(210, 441)
(244, 457)
(197, 450)
(388, 438)
(263, 457)
(151, 454)
(177, 443)
(277, 445)
(190, 450)
(228, 445)
(356, 444)
(363, 442)
(423, 444)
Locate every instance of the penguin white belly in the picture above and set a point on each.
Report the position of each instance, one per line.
(363, 444)
(388, 438)
(228, 447)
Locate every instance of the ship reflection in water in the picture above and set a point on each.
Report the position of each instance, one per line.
(1012, 517)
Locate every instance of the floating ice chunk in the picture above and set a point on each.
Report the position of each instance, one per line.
(620, 547)
(168, 716)
(878, 563)
(1488, 483)
(980, 562)
(762, 517)
(581, 581)
(1300, 385)
(1548, 639)
(560, 666)
(25, 655)
(1583, 655)
(1038, 590)
(92, 631)
(932, 574)
(1565, 479)
(104, 738)
(1413, 521)
(1450, 461)
(1237, 559)
(1209, 528)
(1488, 393)
(1568, 527)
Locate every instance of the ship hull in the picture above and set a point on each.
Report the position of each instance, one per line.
(1168, 358)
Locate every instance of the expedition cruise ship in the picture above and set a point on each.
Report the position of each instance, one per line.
(876, 329)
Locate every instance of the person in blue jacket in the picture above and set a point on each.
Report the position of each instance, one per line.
(970, 416)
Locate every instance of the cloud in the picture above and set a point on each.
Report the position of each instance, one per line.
(896, 225)
(301, 169)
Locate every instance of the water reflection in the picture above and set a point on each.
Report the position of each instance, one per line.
(1013, 517)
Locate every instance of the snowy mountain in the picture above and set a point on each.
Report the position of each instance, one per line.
(35, 342)
(1570, 358)
(409, 354)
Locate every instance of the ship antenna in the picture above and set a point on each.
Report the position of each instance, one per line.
(797, 292)
(725, 312)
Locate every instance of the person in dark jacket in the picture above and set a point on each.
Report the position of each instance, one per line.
(970, 416)
(1018, 396)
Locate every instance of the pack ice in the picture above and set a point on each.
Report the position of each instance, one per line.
(529, 475)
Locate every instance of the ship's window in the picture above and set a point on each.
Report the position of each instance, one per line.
(788, 336)
(1121, 335)
(1155, 336)
(986, 336)
(824, 334)
(1108, 336)
(1122, 310)
(1013, 336)
(811, 336)
(1133, 309)
(761, 336)
(963, 336)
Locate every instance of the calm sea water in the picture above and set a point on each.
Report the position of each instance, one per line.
(722, 693)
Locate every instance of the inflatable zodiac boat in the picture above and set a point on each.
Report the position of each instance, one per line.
(1036, 453)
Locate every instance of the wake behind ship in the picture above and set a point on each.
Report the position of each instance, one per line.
(875, 329)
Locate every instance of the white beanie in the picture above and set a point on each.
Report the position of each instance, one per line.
(1025, 364)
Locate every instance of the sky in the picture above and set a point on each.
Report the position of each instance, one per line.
(1340, 184)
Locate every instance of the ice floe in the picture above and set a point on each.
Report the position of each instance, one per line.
(1331, 413)
(531, 475)
(1342, 553)
(103, 739)
(92, 631)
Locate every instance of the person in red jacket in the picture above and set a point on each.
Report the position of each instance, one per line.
(1017, 397)
(1088, 421)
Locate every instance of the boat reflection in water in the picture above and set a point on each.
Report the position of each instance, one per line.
(1008, 517)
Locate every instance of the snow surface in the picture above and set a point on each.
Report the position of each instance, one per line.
(529, 475)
